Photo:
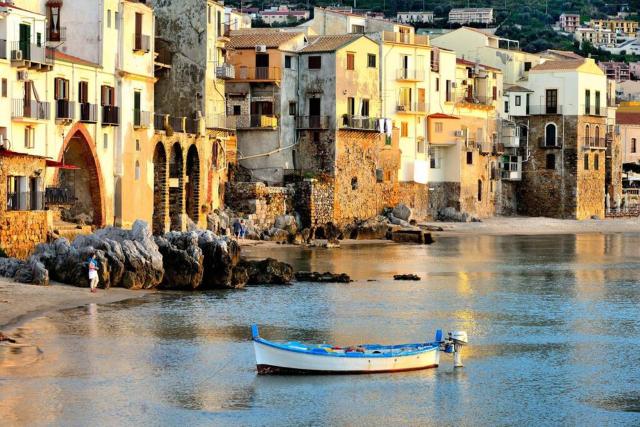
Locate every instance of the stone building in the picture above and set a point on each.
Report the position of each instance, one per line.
(568, 129)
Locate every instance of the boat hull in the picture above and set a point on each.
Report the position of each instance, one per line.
(274, 360)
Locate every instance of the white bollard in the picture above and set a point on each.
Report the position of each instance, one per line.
(457, 356)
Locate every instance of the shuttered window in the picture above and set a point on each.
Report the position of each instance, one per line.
(61, 88)
(351, 61)
(83, 92)
(107, 95)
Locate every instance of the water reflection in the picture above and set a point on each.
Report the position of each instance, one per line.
(552, 321)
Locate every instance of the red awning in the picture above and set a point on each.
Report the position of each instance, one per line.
(60, 165)
(442, 116)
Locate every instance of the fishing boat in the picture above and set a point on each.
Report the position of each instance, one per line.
(302, 358)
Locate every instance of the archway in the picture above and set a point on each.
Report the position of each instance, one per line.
(85, 182)
(160, 194)
(176, 189)
(192, 188)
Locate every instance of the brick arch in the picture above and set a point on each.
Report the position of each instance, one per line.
(78, 138)
(192, 189)
(160, 189)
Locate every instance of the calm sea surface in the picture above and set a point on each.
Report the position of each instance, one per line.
(553, 322)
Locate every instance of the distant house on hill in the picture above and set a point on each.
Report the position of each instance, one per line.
(415, 17)
(464, 16)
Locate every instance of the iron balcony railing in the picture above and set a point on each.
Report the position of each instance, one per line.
(549, 143)
(259, 73)
(178, 123)
(192, 126)
(25, 201)
(312, 122)
(141, 119)
(544, 109)
(225, 72)
(141, 43)
(3, 49)
(409, 74)
(25, 51)
(160, 121)
(224, 31)
(110, 115)
(88, 112)
(411, 107)
(256, 121)
(59, 196)
(593, 110)
(30, 109)
(56, 35)
(360, 123)
(65, 109)
(220, 121)
(594, 143)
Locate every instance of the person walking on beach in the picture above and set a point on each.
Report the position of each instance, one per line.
(93, 272)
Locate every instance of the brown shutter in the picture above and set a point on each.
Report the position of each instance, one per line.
(56, 88)
(495, 93)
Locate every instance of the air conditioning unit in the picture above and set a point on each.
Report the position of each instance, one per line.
(261, 48)
(459, 133)
(23, 76)
(16, 55)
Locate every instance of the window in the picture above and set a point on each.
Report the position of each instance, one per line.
(597, 102)
(108, 18)
(435, 158)
(83, 92)
(469, 157)
(108, 95)
(116, 20)
(438, 127)
(587, 101)
(527, 66)
(404, 98)
(209, 14)
(494, 93)
(4, 88)
(365, 108)
(316, 136)
(404, 129)
(354, 183)
(586, 162)
(550, 135)
(587, 135)
(220, 23)
(237, 110)
(137, 170)
(357, 29)
(61, 89)
(551, 161)
(420, 146)
(479, 190)
(596, 162)
(292, 108)
(634, 146)
(506, 106)
(437, 84)
(105, 141)
(29, 137)
(315, 62)
(287, 61)
(137, 145)
(518, 100)
(351, 106)
(551, 101)
(351, 61)
(448, 91)
(371, 60)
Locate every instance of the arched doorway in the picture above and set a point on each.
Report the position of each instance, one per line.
(176, 189)
(85, 182)
(160, 199)
(193, 184)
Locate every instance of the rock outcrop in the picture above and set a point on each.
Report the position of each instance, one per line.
(182, 259)
(410, 277)
(314, 276)
(267, 272)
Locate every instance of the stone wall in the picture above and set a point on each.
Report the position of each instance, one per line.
(613, 172)
(416, 196)
(477, 188)
(314, 201)
(261, 204)
(506, 198)
(443, 195)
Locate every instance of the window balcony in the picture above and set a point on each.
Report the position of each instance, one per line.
(592, 143)
(31, 56)
(110, 115)
(261, 74)
(56, 35)
(59, 196)
(225, 72)
(256, 121)
(542, 110)
(405, 38)
(220, 121)
(65, 110)
(141, 43)
(312, 122)
(360, 123)
(416, 107)
(549, 143)
(30, 110)
(88, 113)
(409, 75)
(593, 110)
(141, 119)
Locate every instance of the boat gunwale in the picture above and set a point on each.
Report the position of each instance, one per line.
(431, 346)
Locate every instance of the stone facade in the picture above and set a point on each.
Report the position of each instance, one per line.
(443, 195)
(21, 230)
(568, 180)
(261, 204)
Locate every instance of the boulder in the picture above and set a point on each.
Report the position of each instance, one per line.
(315, 277)
(220, 258)
(277, 235)
(398, 221)
(402, 212)
(371, 229)
(452, 215)
(412, 235)
(287, 223)
(182, 261)
(267, 272)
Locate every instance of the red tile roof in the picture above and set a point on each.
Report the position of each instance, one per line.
(627, 118)
(442, 116)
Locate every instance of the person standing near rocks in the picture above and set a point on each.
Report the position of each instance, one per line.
(93, 272)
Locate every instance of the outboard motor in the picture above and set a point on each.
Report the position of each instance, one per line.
(459, 339)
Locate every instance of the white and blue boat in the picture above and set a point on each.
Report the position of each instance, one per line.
(302, 358)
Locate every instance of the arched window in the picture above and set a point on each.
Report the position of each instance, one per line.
(479, 190)
(596, 136)
(587, 135)
(550, 133)
(596, 162)
(137, 172)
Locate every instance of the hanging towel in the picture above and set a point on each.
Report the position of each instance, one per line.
(381, 125)
(388, 127)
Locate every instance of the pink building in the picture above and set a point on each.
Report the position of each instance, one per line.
(569, 22)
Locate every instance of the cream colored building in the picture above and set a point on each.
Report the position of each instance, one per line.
(471, 15)
(236, 20)
(599, 37)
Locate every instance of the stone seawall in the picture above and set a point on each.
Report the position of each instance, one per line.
(21, 231)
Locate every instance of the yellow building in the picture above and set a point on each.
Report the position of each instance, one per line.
(619, 26)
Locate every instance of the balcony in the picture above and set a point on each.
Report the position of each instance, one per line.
(591, 110)
(262, 74)
(360, 123)
(225, 72)
(542, 110)
(88, 113)
(56, 35)
(416, 107)
(498, 148)
(65, 110)
(59, 196)
(141, 43)
(141, 119)
(405, 38)
(409, 75)
(30, 110)
(256, 121)
(178, 124)
(511, 168)
(32, 56)
(220, 121)
(312, 122)
(553, 143)
(592, 143)
(224, 31)
(463, 97)
(110, 115)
